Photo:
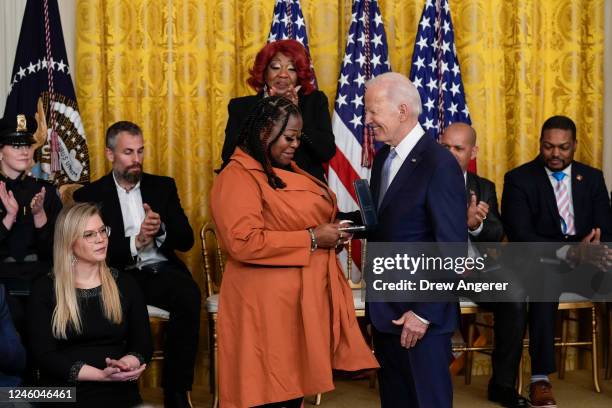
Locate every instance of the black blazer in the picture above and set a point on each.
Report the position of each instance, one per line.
(318, 145)
(529, 207)
(161, 195)
(492, 228)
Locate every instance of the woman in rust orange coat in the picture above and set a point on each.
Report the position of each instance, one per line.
(286, 315)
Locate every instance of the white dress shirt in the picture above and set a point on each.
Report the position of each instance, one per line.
(133, 215)
(404, 148)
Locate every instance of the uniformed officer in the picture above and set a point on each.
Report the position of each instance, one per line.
(28, 209)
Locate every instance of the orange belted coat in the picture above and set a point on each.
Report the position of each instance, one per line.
(286, 314)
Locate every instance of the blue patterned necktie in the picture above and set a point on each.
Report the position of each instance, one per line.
(385, 178)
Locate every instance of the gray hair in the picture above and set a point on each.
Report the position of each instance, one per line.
(118, 127)
(399, 90)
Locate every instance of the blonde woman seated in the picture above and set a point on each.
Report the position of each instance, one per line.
(87, 323)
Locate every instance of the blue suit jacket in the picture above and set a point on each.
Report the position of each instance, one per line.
(425, 202)
(12, 353)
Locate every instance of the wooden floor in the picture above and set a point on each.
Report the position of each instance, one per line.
(575, 391)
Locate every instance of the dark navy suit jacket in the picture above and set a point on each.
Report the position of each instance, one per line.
(425, 202)
(529, 206)
(12, 353)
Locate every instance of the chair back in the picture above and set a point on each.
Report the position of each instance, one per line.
(66, 193)
(213, 258)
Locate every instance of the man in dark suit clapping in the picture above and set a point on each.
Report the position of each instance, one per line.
(485, 225)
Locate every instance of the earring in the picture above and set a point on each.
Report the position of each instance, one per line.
(73, 260)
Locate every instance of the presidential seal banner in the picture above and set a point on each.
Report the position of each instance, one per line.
(41, 86)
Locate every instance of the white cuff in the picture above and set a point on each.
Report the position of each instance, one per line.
(160, 240)
(420, 318)
(562, 252)
(477, 231)
(133, 245)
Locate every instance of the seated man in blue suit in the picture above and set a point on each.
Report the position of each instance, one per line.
(420, 192)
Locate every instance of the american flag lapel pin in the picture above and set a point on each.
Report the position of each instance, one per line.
(579, 177)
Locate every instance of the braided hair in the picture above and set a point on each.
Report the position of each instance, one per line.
(256, 132)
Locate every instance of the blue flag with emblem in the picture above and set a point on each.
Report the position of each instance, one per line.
(41, 85)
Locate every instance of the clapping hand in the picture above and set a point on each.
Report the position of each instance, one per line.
(8, 200)
(37, 203)
(10, 205)
(149, 227)
(591, 251)
(477, 212)
(291, 93)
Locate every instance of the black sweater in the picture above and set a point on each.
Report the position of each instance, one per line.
(59, 361)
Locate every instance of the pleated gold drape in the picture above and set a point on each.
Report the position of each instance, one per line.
(172, 66)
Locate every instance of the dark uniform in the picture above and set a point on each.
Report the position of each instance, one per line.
(25, 251)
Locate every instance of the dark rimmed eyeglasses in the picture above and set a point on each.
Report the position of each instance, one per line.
(92, 236)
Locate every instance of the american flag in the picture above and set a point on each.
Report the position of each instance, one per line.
(435, 70)
(288, 22)
(365, 57)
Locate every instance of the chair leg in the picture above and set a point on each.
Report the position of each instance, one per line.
(608, 340)
(317, 401)
(519, 382)
(215, 403)
(594, 354)
(563, 349)
(469, 354)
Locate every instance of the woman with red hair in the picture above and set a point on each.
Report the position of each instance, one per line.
(283, 68)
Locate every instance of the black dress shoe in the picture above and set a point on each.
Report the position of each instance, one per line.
(176, 399)
(507, 397)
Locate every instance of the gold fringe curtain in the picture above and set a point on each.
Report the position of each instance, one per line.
(172, 66)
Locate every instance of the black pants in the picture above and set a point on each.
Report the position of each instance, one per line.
(542, 320)
(170, 287)
(509, 322)
(294, 403)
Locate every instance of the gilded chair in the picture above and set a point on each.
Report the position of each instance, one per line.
(469, 312)
(213, 263)
(568, 302)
